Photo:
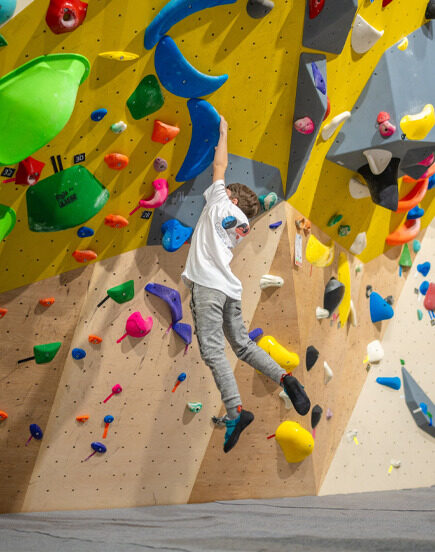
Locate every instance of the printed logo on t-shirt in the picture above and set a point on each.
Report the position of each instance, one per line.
(229, 232)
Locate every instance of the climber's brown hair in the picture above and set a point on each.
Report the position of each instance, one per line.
(247, 200)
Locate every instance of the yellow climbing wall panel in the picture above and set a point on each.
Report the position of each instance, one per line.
(261, 59)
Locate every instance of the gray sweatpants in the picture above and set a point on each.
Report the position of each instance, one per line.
(216, 316)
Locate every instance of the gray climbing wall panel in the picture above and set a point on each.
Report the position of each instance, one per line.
(328, 31)
(310, 102)
(187, 202)
(414, 395)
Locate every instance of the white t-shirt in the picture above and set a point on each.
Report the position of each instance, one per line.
(221, 226)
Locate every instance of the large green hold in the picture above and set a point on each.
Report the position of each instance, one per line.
(405, 257)
(65, 199)
(122, 293)
(146, 99)
(8, 218)
(36, 101)
(46, 353)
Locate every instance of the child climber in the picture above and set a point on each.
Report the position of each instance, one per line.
(216, 295)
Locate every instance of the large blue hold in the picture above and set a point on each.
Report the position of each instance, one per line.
(424, 268)
(172, 13)
(379, 308)
(205, 137)
(394, 383)
(174, 235)
(178, 76)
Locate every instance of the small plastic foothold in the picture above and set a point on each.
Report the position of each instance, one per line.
(122, 292)
(194, 407)
(329, 129)
(82, 418)
(115, 221)
(259, 8)
(268, 280)
(267, 201)
(359, 244)
(419, 314)
(47, 301)
(393, 383)
(353, 315)
(255, 334)
(83, 256)
(275, 224)
(319, 81)
(357, 189)
(343, 230)
(94, 339)
(369, 290)
(64, 16)
(3, 415)
(415, 213)
(99, 114)
(387, 129)
(164, 133)
(3, 312)
(321, 313)
(390, 300)
(85, 232)
(311, 356)
(328, 372)
(334, 219)
(416, 246)
(329, 414)
(403, 44)
(287, 402)
(316, 414)
(36, 431)
(364, 35)
(304, 125)
(430, 10)
(78, 353)
(424, 268)
(118, 127)
(328, 109)
(108, 419)
(379, 308)
(116, 161)
(405, 257)
(98, 447)
(315, 7)
(175, 234)
(375, 351)
(424, 286)
(160, 164)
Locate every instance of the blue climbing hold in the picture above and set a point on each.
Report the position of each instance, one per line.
(205, 137)
(184, 331)
(7, 8)
(255, 334)
(319, 81)
(379, 308)
(175, 234)
(415, 213)
(98, 447)
(98, 114)
(394, 383)
(178, 76)
(108, 419)
(275, 225)
(431, 182)
(172, 13)
(85, 232)
(424, 268)
(36, 431)
(229, 222)
(170, 296)
(424, 286)
(78, 353)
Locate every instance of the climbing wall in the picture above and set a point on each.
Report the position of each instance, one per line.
(385, 428)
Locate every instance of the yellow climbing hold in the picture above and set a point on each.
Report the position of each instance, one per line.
(285, 358)
(296, 442)
(119, 56)
(318, 254)
(403, 44)
(417, 127)
(343, 274)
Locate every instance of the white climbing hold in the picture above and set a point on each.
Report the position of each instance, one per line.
(118, 127)
(329, 129)
(351, 435)
(375, 351)
(357, 189)
(359, 244)
(378, 159)
(395, 463)
(328, 372)
(269, 280)
(329, 414)
(364, 35)
(287, 402)
(321, 313)
(352, 315)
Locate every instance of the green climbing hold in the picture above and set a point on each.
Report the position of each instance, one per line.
(46, 353)
(402, 362)
(419, 314)
(122, 293)
(3, 41)
(65, 199)
(405, 257)
(146, 99)
(7, 220)
(343, 230)
(334, 219)
(36, 101)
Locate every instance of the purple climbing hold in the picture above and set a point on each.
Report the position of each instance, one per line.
(172, 298)
(160, 164)
(275, 224)
(319, 81)
(184, 331)
(255, 334)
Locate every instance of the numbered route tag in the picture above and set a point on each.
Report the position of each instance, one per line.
(298, 250)
(79, 158)
(146, 215)
(8, 172)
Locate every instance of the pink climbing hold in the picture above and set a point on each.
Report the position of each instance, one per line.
(116, 389)
(304, 125)
(386, 127)
(315, 7)
(136, 326)
(428, 161)
(160, 195)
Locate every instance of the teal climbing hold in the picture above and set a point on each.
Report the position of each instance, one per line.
(416, 246)
(175, 234)
(7, 8)
(178, 76)
(419, 314)
(146, 99)
(394, 383)
(172, 13)
(379, 308)
(205, 137)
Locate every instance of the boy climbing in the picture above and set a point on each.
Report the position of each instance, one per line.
(216, 295)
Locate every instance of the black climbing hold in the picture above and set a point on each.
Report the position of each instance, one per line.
(316, 414)
(369, 290)
(333, 295)
(390, 300)
(383, 187)
(311, 357)
(430, 10)
(259, 8)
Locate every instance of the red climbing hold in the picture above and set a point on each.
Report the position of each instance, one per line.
(64, 16)
(328, 109)
(316, 6)
(28, 173)
(386, 2)
(3, 312)
(116, 161)
(163, 133)
(84, 256)
(47, 301)
(429, 299)
(115, 221)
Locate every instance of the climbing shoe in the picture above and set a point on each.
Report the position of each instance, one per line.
(297, 394)
(235, 428)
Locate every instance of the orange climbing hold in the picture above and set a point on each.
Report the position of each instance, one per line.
(83, 418)
(3, 312)
(115, 221)
(164, 133)
(116, 161)
(414, 197)
(3, 415)
(47, 301)
(94, 339)
(405, 233)
(84, 255)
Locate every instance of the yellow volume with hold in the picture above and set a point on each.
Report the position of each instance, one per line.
(296, 442)
(285, 358)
